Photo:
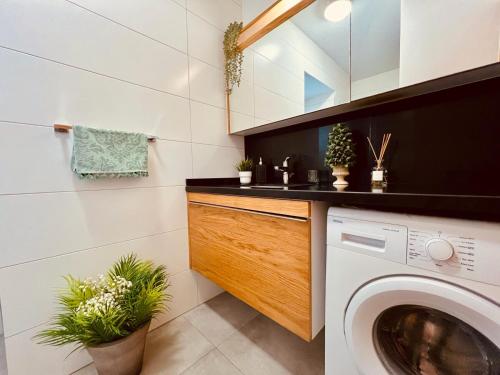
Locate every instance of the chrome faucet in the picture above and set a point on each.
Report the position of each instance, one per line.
(286, 175)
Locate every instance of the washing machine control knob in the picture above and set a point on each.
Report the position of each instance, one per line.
(439, 249)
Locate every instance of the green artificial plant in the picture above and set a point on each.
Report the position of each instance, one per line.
(107, 308)
(340, 150)
(245, 165)
(233, 56)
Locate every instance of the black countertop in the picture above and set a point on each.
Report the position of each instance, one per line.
(461, 202)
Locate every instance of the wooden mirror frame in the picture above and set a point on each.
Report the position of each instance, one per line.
(269, 19)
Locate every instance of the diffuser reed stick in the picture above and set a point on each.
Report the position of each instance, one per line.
(385, 142)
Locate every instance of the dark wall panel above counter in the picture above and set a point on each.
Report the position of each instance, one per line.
(445, 142)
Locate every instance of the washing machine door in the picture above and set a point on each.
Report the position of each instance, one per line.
(416, 325)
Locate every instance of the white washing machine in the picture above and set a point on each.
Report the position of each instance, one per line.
(411, 295)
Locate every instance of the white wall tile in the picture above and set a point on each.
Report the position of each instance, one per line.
(278, 80)
(35, 226)
(46, 276)
(47, 156)
(240, 121)
(205, 41)
(38, 91)
(215, 161)
(275, 48)
(163, 20)
(181, 2)
(25, 356)
(274, 107)
(208, 124)
(242, 98)
(61, 31)
(183, 290)
(248, 65)
(219, 13)
(206, 289)
(206, 83)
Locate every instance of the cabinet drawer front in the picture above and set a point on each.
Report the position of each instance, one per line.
(263, 260)
(271, 205)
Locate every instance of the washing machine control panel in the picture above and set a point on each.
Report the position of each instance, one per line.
(448, 253)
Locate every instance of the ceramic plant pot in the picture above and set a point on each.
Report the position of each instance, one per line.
(121, 357)
(245, 177)
(340, 171)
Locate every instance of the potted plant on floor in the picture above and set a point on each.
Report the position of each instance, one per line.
(110, 315)
(340, 154)
(244, 168)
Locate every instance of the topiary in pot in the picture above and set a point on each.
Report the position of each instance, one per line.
(110, 315)
(340, 153)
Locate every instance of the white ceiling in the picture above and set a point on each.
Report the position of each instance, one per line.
(375, 33)
(332, 37)
(375, 36)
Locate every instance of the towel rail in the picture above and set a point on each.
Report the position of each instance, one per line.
(63, 128)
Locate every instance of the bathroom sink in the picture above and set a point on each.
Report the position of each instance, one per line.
(277, 186)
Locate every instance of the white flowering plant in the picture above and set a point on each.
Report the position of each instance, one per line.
(112, 306)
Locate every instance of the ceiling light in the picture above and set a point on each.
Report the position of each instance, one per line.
(337, 10)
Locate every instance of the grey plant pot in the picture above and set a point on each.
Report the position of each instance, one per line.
(121, 357)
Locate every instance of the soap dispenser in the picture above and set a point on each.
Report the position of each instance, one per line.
(260, 172)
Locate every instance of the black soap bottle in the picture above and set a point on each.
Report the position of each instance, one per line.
(260, 172)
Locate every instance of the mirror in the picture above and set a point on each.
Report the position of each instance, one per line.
(396, 43)
(309, 63)
(299, 67)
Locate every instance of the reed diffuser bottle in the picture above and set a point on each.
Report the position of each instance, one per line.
(379, 172)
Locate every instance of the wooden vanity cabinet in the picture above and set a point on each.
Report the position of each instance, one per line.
(262, 251)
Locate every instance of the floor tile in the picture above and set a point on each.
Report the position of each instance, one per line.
(263, 347)
(214, 363)
(220, 317)
(173, 348)
(170, 349)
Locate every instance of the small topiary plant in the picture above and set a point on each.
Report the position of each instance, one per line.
(340, 150)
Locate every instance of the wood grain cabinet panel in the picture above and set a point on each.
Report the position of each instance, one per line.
(270, 253)
(271, 205)
(263, 259)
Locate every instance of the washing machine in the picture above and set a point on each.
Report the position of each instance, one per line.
(409, 294)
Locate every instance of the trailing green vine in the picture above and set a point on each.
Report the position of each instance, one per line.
(233, 56)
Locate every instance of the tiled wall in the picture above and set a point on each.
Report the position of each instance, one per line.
(118, 64)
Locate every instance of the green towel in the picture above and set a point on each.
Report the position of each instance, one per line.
(106, 153)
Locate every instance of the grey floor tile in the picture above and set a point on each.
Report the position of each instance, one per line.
(263, 347)
(249, 344)
(174, 347)
(220, 317)
(214, 363)
(170, 349)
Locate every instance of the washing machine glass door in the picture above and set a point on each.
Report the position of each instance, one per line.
(415, 325)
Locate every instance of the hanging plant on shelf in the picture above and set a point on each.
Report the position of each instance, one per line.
(340, 154)
(233, 61)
